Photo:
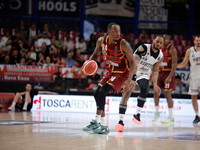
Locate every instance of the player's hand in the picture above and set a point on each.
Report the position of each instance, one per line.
(167, 80)
(128, 86)
(157, 89)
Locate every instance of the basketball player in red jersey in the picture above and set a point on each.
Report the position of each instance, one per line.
(166, 78)
(118, 59)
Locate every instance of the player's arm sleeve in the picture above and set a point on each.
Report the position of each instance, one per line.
(141, 50)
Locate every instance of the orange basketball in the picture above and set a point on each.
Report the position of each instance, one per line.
(90, 67)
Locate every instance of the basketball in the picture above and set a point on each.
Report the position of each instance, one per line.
(90, 67)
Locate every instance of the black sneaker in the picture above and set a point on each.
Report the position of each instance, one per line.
(136, 119)
(197, 119)
(120, 126)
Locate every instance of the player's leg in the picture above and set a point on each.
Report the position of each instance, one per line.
(157, 96)
(144, 88)
(196, 109)
(95, 123)
(168, 96)
(194, 91)
(27, 100)
(122, 110)
(156, 101)
(17, 99)
(100, 114)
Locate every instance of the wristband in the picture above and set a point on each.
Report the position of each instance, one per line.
(134, 77)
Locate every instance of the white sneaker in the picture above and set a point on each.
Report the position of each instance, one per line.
(11, 108)
(169, 120)
(157, 115)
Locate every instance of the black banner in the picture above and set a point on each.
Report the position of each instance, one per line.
(15, 7)
(61, 8)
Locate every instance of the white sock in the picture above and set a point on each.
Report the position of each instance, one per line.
(197, 113)
(25, 106)
(121, 117)
(97, 118)
(103, 121)
(12, 105)
(156, 109)
(138, 110)
(171, 112)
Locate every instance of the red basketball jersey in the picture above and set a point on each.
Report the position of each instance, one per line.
(166, 64)
(114, 58)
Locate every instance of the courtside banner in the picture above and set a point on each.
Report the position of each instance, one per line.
(73, 103)
(22, 73)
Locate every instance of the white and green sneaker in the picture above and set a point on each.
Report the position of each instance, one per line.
(169, 120)
(157, 115)
(101, 130)
(92, 126)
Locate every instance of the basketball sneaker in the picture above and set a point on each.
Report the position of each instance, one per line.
(136, 119)
(120, 126)
(157, 115)
(101, 130)
(197, 119)
(92, 126)
(169, 120)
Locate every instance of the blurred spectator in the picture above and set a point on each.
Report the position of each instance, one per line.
(55, 55)
(32, 33)
(46, 30)
(33, 62)
(128, 39)
(23, 48)
(22, 61)
(44, 49)
(62, 62)
(33, 54)
(63, 51)
(141, 41)
(15, 57)
(69, 60)
(4, 39)
(1, 55)
(6, 59)
(180, 86)
(22, 29)
(7, 46)
(81, 44)
(77, 54)
(48, 62)
(69, 43)
(28, 58)
(43, 39)
(58, 42)
(101, 33)
(90, 84)
(41, 60)
(80, 60)
(91, 44)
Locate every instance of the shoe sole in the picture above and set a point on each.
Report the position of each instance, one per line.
(167, 122)
(119, 127)
(102, 132)
(136, 121)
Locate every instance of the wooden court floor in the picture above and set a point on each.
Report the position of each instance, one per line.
(63, 131)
